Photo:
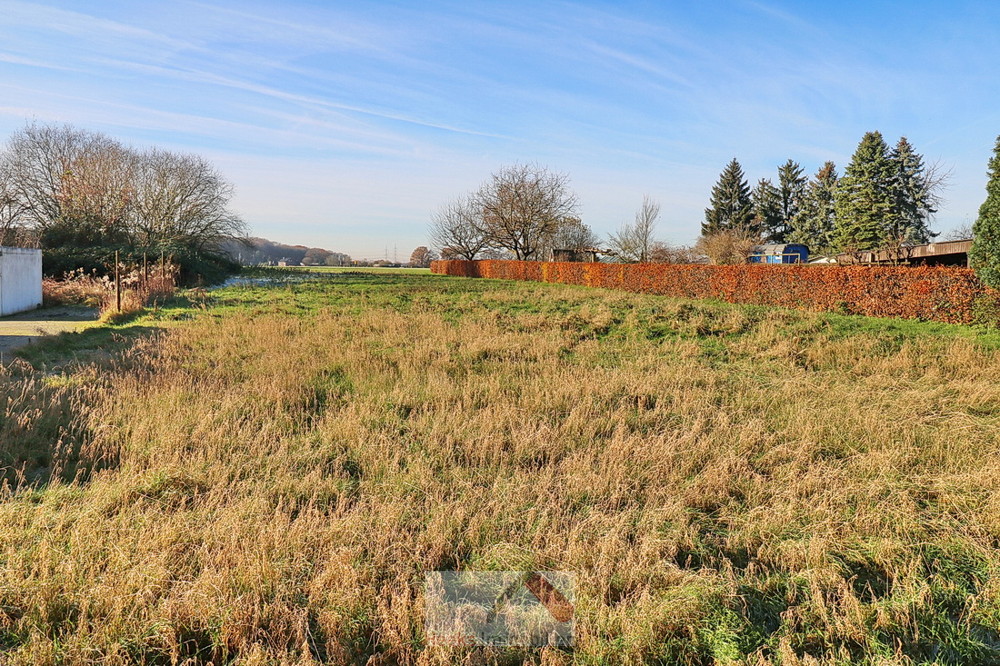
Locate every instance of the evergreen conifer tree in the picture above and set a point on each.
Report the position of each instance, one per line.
(865, 202)
(766, 200)
(813, 224)
(791, 188)
(730, 207)
(985, 254)
(913, 197)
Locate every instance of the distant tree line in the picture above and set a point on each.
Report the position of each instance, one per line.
(82, 195)
(885, 199)
(261, 251)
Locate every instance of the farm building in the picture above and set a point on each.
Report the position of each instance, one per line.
(947, 253)
(779, 254)
(20, 280)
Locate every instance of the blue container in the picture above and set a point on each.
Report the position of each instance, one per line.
(778, 253)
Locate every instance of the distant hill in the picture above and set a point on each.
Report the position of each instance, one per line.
(256, 251)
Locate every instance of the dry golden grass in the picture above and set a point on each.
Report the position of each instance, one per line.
(268, 482)
(139, 289)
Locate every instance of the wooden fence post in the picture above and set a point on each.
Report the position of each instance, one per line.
(118, 283)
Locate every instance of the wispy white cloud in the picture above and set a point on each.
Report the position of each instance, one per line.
(792, 20)
(338, 32)
(19, 14)
(12, 59)
(639, 63)
(352, 117)
(70, 108)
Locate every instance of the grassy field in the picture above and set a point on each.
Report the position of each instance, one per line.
(263, 475)
(373, 270)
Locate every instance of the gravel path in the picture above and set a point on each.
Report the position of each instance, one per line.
(23, 329)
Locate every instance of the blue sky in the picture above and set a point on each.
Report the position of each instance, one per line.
(344, 125)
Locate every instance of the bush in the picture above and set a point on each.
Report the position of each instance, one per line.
(77, 288)
(729, 246)
(193, 267)
(952, 295)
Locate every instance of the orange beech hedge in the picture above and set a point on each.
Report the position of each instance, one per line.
(953, 295)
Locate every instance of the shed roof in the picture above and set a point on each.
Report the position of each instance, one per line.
(778, 248)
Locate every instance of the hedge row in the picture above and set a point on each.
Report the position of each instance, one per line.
(952, 295)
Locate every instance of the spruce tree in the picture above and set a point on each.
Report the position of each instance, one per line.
(813, 224)
(730, 207)
(864, 202)
(791, 188)
(766, 200)
(985, 254)
(913, 197)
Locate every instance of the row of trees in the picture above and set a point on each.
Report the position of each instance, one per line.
(81, 195)
(256, 251)
(885, 198)
(525, 212)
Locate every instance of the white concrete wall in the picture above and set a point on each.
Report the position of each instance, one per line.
(20, 280)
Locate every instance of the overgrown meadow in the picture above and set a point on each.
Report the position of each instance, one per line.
(262, 475)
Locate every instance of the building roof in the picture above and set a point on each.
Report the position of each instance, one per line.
(777, 248)
(944, 250)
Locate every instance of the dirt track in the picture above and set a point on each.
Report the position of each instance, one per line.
(23, 329)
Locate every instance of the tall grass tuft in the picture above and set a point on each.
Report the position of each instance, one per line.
(139, 288)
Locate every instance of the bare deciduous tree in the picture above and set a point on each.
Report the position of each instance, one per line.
(456, 229)
(634, 241)
(521, 206)
(182, 200)
(961, 232)
(12, 230)
(52, 169)
(572, 234)
(95, 195)
(79, 188)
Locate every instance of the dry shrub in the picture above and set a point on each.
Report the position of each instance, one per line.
(140, 288)
(728, 247)
(664, 253)
(77, 288)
